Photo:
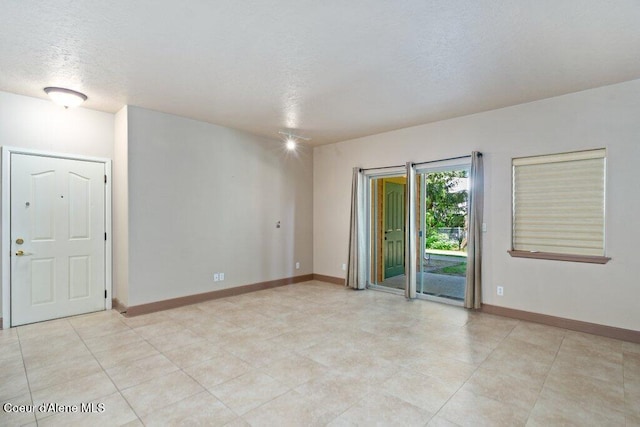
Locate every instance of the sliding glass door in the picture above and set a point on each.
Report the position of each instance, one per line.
(441, 196)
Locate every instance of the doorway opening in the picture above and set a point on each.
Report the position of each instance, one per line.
(387, 231)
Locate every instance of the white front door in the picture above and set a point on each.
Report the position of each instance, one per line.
(57, 237)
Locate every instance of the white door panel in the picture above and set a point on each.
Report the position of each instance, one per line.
(58, 210)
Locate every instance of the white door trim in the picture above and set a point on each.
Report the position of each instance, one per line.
(5, 243)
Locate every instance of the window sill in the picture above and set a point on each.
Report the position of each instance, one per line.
(560, 257)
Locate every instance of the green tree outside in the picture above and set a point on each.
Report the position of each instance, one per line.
(445, 207)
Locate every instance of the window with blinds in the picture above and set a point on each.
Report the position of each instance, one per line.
(559, 206)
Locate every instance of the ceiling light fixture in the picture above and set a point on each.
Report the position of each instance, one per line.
(291, 144)
(291, 139)
(65, 97)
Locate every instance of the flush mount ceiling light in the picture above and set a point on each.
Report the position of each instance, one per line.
(291, 139)
(65, 97)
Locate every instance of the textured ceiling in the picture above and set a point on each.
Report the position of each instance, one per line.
(331, 70)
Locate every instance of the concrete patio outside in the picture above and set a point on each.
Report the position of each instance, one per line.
(430, 281)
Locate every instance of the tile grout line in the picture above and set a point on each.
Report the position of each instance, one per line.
(546, 377)
(254, 369)
(42, 367)
(205, 388)
(181, 369)
(474, 371)
(105, 371)
(24, 366)
(627, 414)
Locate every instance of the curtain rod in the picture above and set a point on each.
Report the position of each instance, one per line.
(445, 160)
(383, 167)
(421, 163)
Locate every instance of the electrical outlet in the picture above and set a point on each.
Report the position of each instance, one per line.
(500, 291)
(216, 277)
(297, 266)
(221, 275)
(344, 267)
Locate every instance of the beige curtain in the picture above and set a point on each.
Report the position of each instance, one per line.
(356, 262)
(473, 294)
(410, 233)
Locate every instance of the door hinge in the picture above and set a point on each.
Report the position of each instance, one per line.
(105, 294)
(105, 237)
(105, 179)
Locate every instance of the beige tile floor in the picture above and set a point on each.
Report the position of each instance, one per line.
(317, 354)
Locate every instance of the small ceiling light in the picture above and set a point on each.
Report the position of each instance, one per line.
(291, 140)
(65, 97)
(291, 144)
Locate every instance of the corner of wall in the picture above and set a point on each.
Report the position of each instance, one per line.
(121, 207)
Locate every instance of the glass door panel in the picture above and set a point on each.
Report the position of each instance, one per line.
(441, 269)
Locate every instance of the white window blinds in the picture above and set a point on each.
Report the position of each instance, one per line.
(558, 203)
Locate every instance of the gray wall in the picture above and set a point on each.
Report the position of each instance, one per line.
(203, 199)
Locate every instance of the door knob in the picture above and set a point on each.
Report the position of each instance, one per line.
(23, 253)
